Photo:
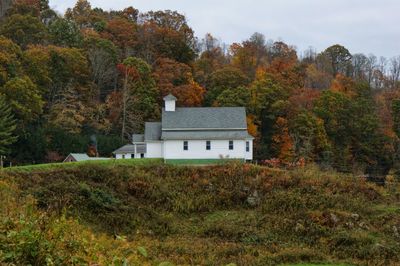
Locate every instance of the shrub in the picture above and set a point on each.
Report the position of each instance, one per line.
(216, 215)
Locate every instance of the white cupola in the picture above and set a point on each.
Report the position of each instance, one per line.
(170, 103)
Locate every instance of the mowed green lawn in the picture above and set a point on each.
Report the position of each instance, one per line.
(124, 162)
(112, 162)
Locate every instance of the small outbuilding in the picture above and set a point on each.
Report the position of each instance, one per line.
(131, 151)
(81, 157)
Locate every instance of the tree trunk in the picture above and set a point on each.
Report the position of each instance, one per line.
(124, 102)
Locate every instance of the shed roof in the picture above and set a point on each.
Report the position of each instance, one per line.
(130, 148)
(81, 157)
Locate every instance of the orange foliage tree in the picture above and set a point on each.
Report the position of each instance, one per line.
(301, 99)
(284, 68)
(282, 141)
(344, 85)
(251, 126)
(121, 32)
(176, 78)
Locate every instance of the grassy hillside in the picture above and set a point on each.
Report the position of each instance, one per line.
(151, 214)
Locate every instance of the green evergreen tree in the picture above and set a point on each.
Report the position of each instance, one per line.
(7, 127)
(396, 116)
(396, 128)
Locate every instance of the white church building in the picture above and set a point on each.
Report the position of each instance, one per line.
(195, 133)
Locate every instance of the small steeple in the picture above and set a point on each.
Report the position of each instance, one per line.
(170, 103)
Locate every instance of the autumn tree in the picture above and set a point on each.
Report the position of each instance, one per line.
(344, 85)
(10, 60)
(212, 58)
(166, 34)
(282, 54)
(359, 69)
(68, 112)
(396, 129)
(384, 104)
(284, 68)
(47, 14)
(352, 125)
(131, 14)
(65, 33)
(268, 98)
(80, 14)
(24, 30)
(103, 56)
(339, 58)
(250, 55)
(224, 79)
(282, 143)
(301, 100)
(122, 33)
(24, 98)
(7, 127)
(58, 68)
(394, 72)
(238, 97)
(269, 102)
(316, 79)
(136, 102)
(176, 78)
(25, 7)
(396, 116)
(310, 140)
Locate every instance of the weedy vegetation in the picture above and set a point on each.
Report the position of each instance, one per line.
(234, 214)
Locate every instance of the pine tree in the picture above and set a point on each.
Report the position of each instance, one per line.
(7, 127)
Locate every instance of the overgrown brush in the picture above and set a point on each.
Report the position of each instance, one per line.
(217, 215)
(29, 236)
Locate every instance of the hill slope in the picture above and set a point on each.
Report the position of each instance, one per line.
(218, 215)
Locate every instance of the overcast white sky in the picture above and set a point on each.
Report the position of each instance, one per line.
(367, 26)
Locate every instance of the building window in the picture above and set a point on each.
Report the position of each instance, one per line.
(142, 155)
(123, 156)
(185, 146)
(132, 156)
(208, 145)
(247, 146)
(231, 145)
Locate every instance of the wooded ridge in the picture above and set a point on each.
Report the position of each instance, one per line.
(87, 80)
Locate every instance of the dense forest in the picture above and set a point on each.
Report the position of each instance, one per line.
(86, 80)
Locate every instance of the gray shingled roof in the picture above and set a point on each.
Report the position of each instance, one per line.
(170, 97)
(152, 131)
(206, 135)
(81, 157)
(141, 148)
(137, 138)
(205, 118)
